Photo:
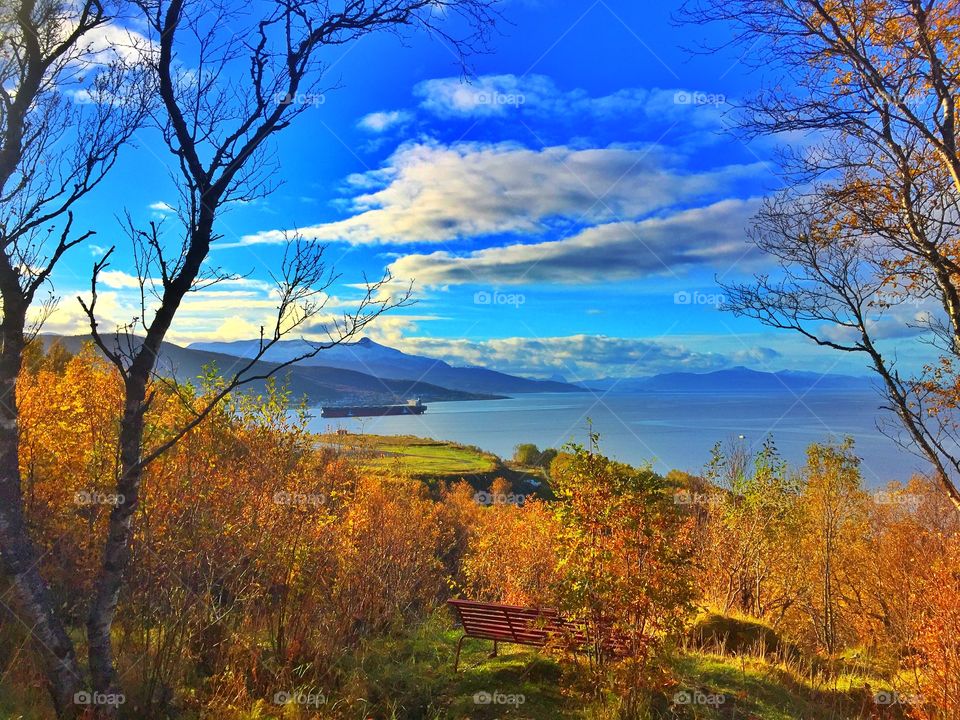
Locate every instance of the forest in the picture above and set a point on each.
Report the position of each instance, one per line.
(273, 576)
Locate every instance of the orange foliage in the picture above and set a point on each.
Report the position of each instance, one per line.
(512, 555)
(261, 558)
(256, 552)
(937, 659)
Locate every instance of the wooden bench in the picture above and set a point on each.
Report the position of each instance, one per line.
(513, 624)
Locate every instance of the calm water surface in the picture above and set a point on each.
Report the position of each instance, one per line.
(670, 430)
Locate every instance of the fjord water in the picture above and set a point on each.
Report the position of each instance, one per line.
(669, 430)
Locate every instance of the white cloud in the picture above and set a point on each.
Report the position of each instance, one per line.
(436, 193)
(119, 280)
(68, 317)
(490, 96)
(122, 280)
(110, 42)
(232, 309)
(381, 121)
(897, 322)
(214, 315)
(163, 208)
(102, 49)
(712, 235)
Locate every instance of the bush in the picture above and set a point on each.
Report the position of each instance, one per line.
(546, 458)
(722, 634)
(526, 454)
(512, 555)
(937, 658)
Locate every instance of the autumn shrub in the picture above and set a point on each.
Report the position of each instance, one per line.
(259, 557)
(68, 419)
(459, 516)
(828, 563)
(625, 568)
(831, 538)
(935, 661)
(388, 547)
(512, 555)
(229, 520)
(292, 555)
(910, 526)
(748, 564)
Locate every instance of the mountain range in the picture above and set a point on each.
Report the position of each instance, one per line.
(738, 379)
(366, 372)
(372, 358)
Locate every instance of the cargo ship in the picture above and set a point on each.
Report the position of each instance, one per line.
(412, 407)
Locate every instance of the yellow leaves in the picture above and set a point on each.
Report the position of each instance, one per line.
(511, 555)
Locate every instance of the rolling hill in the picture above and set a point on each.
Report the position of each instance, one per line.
(372, 358)
(319, 384)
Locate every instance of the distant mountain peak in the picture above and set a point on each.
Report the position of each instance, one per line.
(382, 361)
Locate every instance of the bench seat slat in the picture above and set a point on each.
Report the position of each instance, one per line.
(488, 627)
(509, 623)
(505, 631)
(510, 618)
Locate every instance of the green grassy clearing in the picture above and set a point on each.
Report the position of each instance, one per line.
(412, 677)
(429, 460)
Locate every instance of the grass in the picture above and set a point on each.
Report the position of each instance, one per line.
(24, 703)
(415, 457)
(431, 461)
(716, 632)
(411, 678)
(751, 687)
(762, 675)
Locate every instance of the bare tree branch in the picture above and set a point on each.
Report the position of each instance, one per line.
(866, 235)
(218, 112)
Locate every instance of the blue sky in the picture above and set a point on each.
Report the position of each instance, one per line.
(564, 211)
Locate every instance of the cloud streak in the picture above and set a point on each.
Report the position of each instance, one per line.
(378, 122)
(539, 97)
(438, 193)
(712, 235)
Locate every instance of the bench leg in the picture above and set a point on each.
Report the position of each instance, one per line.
(456, 660)
(494, 653)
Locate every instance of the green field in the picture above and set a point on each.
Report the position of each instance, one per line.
(429, 460)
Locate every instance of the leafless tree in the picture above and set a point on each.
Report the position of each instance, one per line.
(67, 105)
(229, 79)
(865, 234)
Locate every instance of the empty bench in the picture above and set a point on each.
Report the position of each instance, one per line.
(511, 623)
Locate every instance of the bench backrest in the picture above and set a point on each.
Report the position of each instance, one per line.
(507, 623)
(528, 626)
